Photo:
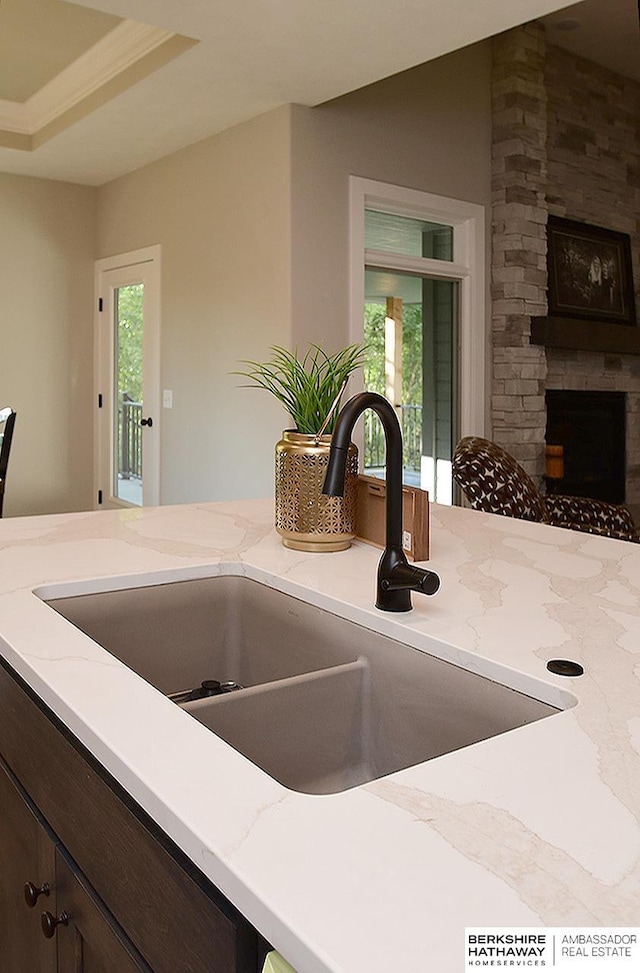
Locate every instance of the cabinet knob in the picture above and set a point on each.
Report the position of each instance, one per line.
(146, 422)
(32, 892)
(49, 923)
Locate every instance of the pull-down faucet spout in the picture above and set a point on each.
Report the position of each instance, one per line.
(396, 577)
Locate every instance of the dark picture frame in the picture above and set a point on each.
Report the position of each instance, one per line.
(590, 272)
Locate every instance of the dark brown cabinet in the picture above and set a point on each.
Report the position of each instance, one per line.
(51, 921)
(27, 855)
(54, 924)
(88, 940)
(120, 897)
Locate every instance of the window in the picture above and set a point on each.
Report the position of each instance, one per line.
(418, 274)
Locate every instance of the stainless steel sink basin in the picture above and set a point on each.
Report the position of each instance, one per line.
(327, 704)
(226, 628)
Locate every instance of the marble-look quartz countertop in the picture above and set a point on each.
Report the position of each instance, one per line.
(537, 827)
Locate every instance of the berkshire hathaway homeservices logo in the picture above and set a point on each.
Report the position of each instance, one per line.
(578, 950)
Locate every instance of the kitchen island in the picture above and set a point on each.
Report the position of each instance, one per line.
(539, 826)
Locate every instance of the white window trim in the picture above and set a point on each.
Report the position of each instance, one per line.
(467, 267)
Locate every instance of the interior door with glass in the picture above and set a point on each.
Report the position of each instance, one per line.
(128, 380)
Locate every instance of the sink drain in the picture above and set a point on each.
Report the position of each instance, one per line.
(208, 687)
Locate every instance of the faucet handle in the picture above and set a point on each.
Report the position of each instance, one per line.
(429, 581)
(397, 579)
(405, 576)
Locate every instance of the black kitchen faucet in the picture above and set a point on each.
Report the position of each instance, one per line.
(396, 577)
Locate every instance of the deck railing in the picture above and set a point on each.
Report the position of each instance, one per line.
(130, 440)
(374, 448)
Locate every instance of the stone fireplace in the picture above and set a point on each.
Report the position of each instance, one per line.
(566, 142)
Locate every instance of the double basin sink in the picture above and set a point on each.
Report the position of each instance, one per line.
(325, 704)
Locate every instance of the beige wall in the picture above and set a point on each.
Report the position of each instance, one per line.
(220, 211)
(428, 128)
(47, 239)
(253, 225)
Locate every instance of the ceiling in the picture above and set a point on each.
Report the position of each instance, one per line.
(604, 31)
(161, 75)
(38, 38)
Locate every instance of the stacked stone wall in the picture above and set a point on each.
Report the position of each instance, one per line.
(519, 217)
(566, 141)
(593, 153)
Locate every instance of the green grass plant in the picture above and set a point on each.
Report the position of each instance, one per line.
(307, 387)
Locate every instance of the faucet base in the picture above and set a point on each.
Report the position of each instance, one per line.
(395, 601)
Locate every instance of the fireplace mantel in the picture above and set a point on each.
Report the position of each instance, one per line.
(585, 335)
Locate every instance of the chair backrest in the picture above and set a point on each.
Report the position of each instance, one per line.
(493, 481)
(7, 422)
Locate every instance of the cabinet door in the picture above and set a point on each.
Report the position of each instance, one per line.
(89, 941)
(26, 855)
(177, 920)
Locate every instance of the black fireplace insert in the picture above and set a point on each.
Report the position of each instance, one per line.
(591, 428)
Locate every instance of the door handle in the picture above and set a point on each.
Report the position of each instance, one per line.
(146, 422)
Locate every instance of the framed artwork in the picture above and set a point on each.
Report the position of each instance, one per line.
(590, 272)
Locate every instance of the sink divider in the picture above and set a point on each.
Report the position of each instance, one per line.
(359, 666)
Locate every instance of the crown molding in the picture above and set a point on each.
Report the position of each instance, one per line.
(113, 54)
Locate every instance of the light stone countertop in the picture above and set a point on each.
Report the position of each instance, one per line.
(537, 827)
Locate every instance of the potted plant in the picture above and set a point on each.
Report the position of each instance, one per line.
(310, 388)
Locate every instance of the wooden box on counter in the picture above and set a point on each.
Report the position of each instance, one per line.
(371, 520)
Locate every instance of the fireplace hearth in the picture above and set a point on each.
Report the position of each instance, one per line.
(591, 428)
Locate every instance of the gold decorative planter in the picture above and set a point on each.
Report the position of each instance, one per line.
(306, 519)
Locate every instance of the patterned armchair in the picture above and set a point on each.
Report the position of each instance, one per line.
(493, 481)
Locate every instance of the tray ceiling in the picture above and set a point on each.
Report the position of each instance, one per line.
(38, 38)
(207, 65)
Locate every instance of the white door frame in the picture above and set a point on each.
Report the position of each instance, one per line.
(143, 263)
(468, 267)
